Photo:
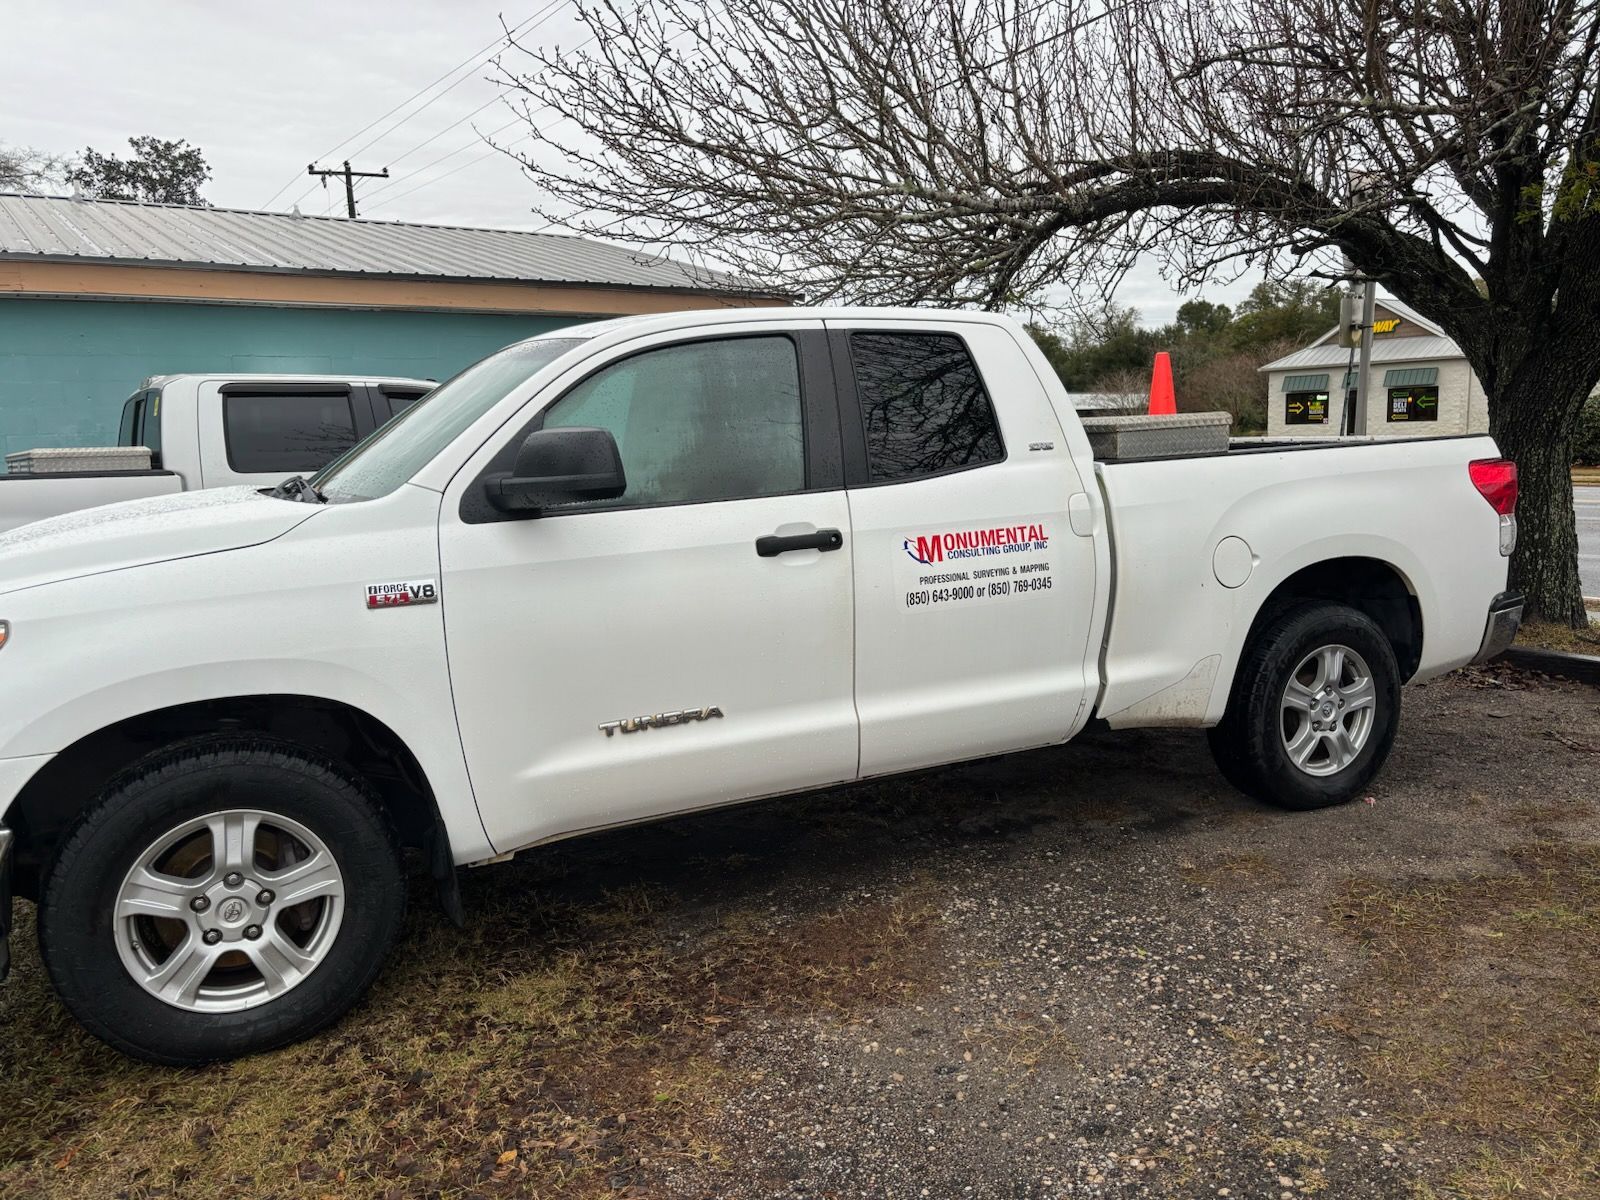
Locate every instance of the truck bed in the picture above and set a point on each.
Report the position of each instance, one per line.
(28, 498)
(1179, 613)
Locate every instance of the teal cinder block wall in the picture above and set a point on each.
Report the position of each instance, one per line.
(66, 366)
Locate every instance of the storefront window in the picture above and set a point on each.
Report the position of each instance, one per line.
(1413, 404)
(1305, 408)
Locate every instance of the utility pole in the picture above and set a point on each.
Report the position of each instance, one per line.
(1364, 369)
(1355, 334)
(349, 180)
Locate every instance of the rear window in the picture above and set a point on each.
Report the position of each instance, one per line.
(287, 434)
(141, 423)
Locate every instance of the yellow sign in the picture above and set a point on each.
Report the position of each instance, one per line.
(1387, 325)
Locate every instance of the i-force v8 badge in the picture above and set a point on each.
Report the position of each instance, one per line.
(403, 594)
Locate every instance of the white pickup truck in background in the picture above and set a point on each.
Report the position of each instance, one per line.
(655, 565)
(206, 431)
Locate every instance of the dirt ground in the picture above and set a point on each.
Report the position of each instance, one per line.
(1092, 971)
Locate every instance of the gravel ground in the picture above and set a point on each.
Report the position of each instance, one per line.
(1090, 971)
(1134, 971)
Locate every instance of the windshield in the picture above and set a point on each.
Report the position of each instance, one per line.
(409, 442)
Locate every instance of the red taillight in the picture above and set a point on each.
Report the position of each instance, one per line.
(1496, 481)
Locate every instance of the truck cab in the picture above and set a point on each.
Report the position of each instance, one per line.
(215, 431)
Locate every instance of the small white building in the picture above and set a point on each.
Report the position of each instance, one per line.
(1421, 383)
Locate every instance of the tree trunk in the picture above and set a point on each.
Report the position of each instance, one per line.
(1533, 419)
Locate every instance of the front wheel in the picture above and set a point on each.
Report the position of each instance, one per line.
(223, 898)
(1314, 710)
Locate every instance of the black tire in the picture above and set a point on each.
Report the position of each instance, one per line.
(78, 937)
(1249, 744)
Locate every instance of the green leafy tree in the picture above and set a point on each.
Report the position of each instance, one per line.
(1294, 311)
(162, 172)
(1203, 317)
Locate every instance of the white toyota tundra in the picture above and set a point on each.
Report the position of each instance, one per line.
(654, 565)
(200, 431)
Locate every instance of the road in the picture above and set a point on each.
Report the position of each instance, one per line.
(1587, 500)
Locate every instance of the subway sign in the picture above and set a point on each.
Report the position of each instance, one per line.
(1305, 408)
(1413, 404)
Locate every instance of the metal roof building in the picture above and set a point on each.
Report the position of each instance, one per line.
(53, 229)
(1421, 383)
(95, 295)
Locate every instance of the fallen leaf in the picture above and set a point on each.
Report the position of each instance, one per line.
(506, 1158)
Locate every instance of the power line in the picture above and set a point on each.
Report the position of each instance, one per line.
(543, 15)
(469, 61)
(453, 170)
(441, 158)
(429, 165)
(1021, 14)
(350, 177)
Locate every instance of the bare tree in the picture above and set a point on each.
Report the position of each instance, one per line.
(1125, 391)
(1231, 382)
(24, 169)
(977, 151)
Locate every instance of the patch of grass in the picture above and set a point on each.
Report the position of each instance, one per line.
(549, 1050)
(1548, 635)
(1476, 1017)
(1244, 870)
(1019, 1041)
(1525, 814)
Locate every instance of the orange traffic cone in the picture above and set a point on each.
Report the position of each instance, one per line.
(1162, 399)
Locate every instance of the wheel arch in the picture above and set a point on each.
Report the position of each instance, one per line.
(51, 801)
(1373, 586)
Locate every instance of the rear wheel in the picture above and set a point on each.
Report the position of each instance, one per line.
(221, 899)
(1314, 710)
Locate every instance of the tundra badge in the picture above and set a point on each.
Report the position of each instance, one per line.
(399, 595)
(681, 716)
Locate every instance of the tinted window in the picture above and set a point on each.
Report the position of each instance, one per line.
(141, 423)
(150, 426)
(398, 401)
(923, 405)
(130, 417)
(286, 433)
(716, 420)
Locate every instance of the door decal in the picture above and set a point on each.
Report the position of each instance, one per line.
(941, 569)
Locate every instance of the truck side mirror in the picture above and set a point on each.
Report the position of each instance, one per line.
(559, 466)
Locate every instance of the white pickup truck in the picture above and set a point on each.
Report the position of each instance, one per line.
(206, 431)
(655, 565)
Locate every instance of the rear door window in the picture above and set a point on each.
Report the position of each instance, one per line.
(923, 405)
(392, 401)
(286, 432)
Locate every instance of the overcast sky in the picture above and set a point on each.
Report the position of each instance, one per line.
(264, 89)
